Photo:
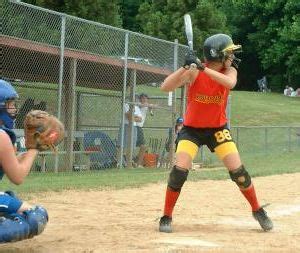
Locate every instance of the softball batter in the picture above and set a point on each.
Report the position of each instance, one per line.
(205, 123)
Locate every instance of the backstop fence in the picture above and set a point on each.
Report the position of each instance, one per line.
(87, 74)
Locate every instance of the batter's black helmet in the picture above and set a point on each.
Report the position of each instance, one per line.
(219, 46)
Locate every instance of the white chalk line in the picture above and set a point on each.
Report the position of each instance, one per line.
(187, 241)
(286, 210)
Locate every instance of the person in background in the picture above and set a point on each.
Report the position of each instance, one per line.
(25, 108)
(134, 117)
(288, 90)
(166, 156)
(295, 93)
(18, 219)
(140, 142)
(178, 126)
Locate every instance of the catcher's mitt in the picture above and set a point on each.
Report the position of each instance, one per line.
(42, 130)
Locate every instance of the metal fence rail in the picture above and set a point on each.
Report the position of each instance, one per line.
(258, 140)
(86, 72)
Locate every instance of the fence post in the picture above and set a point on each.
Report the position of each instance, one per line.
(61, 74)
(121, 151)
(237, 137)
(69, 94)
(172, 147)
(130, 137)
(266, 139)
(290, 139)
(202, 155)
(183, 100)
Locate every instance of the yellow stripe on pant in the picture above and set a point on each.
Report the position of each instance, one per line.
(225, 149)
(187, 147)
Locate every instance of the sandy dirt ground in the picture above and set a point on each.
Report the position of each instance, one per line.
(210, 216)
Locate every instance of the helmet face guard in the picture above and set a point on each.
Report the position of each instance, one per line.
(220, 47)
(234, 60)
(230, 51)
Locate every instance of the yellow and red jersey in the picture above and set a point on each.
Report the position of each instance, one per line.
(206, 103)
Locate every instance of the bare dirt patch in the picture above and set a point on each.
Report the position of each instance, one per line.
(210, 216)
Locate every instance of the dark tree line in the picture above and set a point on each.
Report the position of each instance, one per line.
(268, 30)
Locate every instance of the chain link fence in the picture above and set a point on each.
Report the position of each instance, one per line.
(257, 141)
(86, 73)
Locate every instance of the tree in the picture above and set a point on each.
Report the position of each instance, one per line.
(105, 12)
(164, 19)
(273, 34)
(129, 10)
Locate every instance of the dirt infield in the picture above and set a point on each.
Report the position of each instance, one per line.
(211, 216)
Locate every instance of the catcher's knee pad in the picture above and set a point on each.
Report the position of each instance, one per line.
(37, 219)
(13, 228)
(241, 177)
(177, 178)
(188, 147)
(225, 149)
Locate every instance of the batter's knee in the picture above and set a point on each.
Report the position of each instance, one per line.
(241, 177)
(177, 178)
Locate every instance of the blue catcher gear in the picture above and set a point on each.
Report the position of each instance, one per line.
(17, 227)
(37, 219)
(12, 229)
(9, 203)
(7, 92)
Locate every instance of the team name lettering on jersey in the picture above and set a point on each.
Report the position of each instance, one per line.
(206, 99)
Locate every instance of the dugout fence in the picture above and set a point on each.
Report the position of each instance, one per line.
(85, 72)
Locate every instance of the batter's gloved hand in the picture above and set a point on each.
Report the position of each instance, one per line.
(191, 60)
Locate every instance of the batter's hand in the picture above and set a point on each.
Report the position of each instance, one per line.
(192, 59)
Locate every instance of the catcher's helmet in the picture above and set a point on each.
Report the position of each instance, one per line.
(7, 92)
(219, 46)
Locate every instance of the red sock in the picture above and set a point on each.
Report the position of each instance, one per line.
(170, 201)
(250, 195)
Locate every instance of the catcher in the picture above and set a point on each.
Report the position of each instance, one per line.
(20, 220)
(205, 123)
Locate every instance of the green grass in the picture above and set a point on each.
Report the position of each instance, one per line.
(263, 109)
(257, 165)
(253, 108)
(247, 109)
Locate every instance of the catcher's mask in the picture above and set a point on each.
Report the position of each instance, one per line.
(220, 47)
(8, 97)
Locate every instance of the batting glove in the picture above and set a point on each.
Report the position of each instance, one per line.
(191, 58)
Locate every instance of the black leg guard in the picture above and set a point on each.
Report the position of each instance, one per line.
(241, 177)
(177, 178)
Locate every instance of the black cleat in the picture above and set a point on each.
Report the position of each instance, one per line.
(264, 221)
(165, 224)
